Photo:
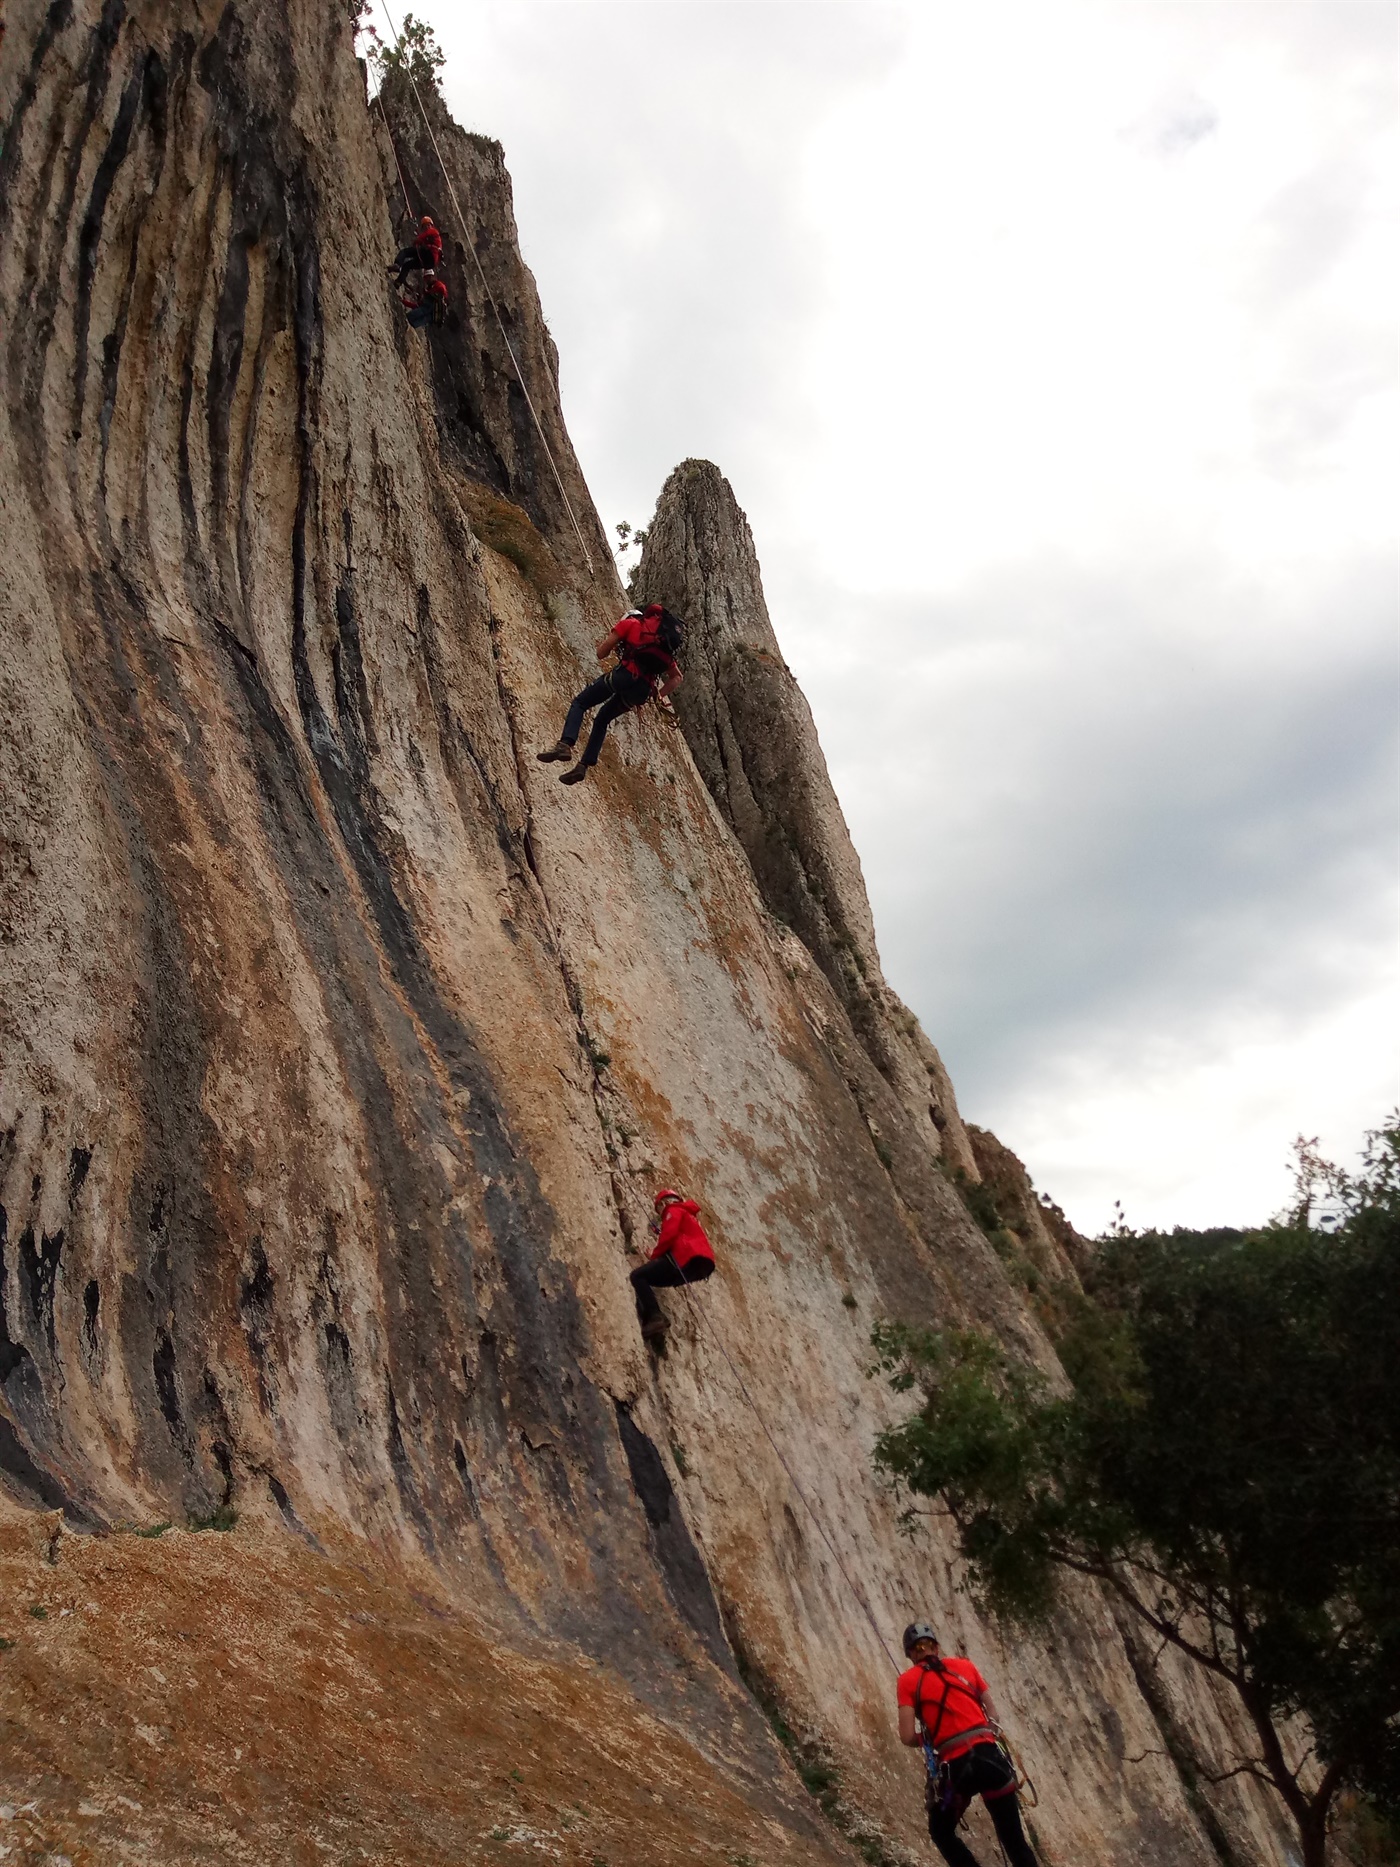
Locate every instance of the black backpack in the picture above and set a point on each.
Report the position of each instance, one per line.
(670, 632)
(661, 638)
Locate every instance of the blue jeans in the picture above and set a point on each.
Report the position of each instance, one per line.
(618, 691)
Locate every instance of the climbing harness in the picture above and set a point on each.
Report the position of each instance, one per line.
(937, 1769)
(941, 1797)
(490, 299)
(430, 300)
(951, 1683)
(846, 1575)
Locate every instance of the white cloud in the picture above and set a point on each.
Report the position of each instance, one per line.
(1173, 125)
(1051, 350)
(1196, 1131)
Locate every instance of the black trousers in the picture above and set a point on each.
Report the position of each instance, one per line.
(613, 693)
(663, 1274)
(982, 1771)
(409, 259)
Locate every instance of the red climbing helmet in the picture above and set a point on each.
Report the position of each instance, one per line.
(426, 221)
(666, 1192)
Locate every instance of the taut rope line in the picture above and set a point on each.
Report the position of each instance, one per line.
(407, 204)
(713, 1335)
(500, 322)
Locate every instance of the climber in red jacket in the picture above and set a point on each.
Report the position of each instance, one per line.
(682, 1255)
(645, 642)
(428, 305)
(946, 1710)
(425, 254)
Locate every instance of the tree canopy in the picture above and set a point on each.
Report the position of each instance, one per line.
(416, 56)
(1224, 1455)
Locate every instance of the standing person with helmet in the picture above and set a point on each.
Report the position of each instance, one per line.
(645, 642)
(682, 1255)
(945, 1708)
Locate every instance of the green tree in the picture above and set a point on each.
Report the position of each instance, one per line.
(1224, 1456)
(417, 56)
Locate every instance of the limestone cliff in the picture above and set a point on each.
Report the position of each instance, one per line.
(342, 1047)
(750, 731)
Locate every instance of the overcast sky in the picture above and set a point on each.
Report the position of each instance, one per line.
(1051, 350)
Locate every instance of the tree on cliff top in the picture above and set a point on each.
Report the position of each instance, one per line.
(1226, 1461)
(417, 56)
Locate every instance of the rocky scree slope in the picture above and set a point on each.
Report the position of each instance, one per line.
(246, 1698)
(342, 1048)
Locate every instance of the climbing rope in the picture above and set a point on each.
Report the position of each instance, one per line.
(490, 299)
(407, 204)
(846, 1575)
(1023, 1779)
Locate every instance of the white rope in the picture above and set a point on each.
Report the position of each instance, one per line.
(500, 322)
(407, 204)
(849, 1580)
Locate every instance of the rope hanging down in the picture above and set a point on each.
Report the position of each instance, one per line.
(846, 1575)
(1023, 1777)
(407, 204)
(471, 248)
(1015, 1761)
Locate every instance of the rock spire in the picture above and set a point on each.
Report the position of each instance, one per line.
(752, 735)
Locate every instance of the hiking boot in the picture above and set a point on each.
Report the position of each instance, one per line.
(655, 1331)
(576, 776)
(556, 752)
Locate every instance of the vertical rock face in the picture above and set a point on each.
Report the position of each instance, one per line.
(492, 365)
(343, 1049)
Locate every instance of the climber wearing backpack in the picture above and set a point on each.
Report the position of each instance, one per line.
(425, 254)
(682, 1255)
(645, 642)
(945, 1709)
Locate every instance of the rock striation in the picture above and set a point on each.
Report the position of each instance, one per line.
(342, 1048)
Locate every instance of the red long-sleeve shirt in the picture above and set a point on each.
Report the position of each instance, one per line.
(683, 1235)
